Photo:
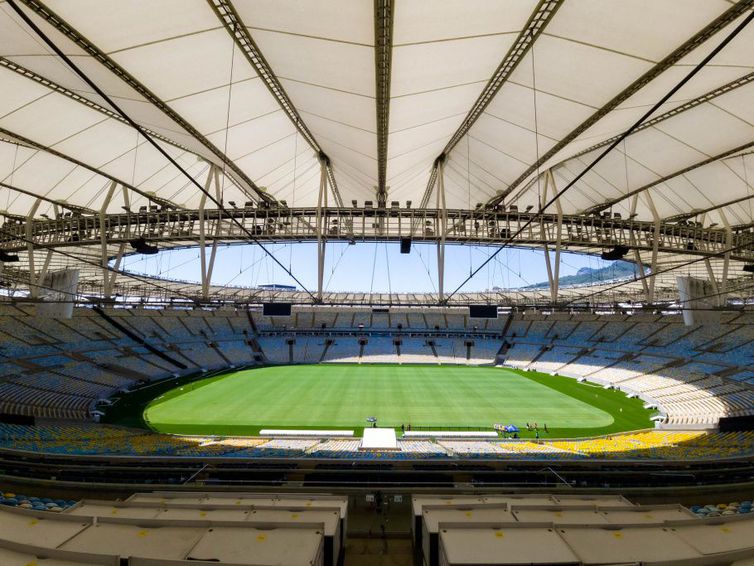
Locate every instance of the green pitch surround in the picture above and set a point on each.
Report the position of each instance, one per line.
(342, 396)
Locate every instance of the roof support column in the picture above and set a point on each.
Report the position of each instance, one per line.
(218, 229)
(126, 199)
(110, 276)
(443, 229)
(33, 289)
(207, 271)
(713, 280)
(655, 248)
(103, 236)
(45, 266)
(553, 276)
(637, 254)
(321, 227)
(723, 299)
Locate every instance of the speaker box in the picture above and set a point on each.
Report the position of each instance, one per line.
(616, 253)
(405, 245)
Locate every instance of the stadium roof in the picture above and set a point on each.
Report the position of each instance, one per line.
(509, 95)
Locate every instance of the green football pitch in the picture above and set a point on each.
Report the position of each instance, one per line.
(340, 396)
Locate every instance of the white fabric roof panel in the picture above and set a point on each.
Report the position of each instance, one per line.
(208, 110)
(452, 19)
(681, 141)
(115, 87)
(162, 67)
(335, 65)
(631, 28)
(18, 92)
(322, 53)
(441, 61)
(62, 119)
(139, 22)
(554, 115)
(708, 129)
(345, 21)
(577, 72)
(615, 122)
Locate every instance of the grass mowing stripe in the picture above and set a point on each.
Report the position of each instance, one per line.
(342, 396)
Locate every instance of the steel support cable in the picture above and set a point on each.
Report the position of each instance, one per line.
(335, 267)
(140, 129)
(740, 27)
(238, 30)
(700, 38)
(19, 140)
(242, 180)
(99, 266)
(661, 271)
(534, 27)
(705, 98)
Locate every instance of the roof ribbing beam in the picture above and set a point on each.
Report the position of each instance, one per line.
(539, 19)
(699, 211)
(687, 47)
(232, 170)
(383, 56)
(706, 97)
(11, 137)
(228, 15)
(607, 204)
(60, 203)
(67, 60)
(23, 71)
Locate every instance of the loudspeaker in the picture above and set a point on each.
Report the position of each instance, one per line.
(616, 253)
(7, 257)
(405, 245)
(141, 246)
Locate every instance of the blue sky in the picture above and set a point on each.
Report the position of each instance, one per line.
(363, 267)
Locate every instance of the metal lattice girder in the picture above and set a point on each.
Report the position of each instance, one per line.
(350, 224)
(539, 19)
(537, 23)
(12, 137)
(688, 105)
(23, 71)
(701, 211)
(60, 203)
(239, 177)
(611, 202)
(227, 13)
(730, 15)
(383, 55)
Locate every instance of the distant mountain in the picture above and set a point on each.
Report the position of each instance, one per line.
(586, 275)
